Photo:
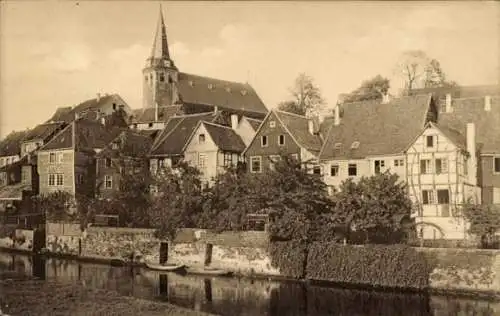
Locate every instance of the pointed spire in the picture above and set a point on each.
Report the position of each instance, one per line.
(160, 44)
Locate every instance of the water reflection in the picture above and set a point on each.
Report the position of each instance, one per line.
(231, 296)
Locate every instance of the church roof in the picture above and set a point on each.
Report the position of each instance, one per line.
(194, 89)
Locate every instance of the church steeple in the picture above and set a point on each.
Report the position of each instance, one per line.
(160, 73)
(160, 44)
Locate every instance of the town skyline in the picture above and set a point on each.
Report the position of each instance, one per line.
(68, 60)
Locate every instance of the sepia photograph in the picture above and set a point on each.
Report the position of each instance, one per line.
(249, 158)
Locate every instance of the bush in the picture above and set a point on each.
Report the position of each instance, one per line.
(289, 257)
(376, 265)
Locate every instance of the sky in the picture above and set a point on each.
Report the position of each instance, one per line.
(60, 53)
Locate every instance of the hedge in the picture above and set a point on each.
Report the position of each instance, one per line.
(289, 257)
(375, 265)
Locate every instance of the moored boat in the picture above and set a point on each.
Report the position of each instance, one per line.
(165, 267)
(209, 271)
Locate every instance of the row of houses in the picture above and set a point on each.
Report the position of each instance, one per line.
(444, 143)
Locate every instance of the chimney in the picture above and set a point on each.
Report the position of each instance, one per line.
(76, 116)
(98, 98)
(487, 103)
(216, 109)
(386, 98)
(310, 126)
(234, 121)
(448, 103)
(336, 113)
(471, 148)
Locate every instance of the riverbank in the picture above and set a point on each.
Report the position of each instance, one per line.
(36, 297)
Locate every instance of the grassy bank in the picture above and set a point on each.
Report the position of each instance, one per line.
(33, 297)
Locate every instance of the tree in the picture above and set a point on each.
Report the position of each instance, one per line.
(56, 206)
(178, 201)
(372, 89)
(420, 71)
(306, 97)
(373, 208)
(412, 66)
(435, 76)
(484, 222)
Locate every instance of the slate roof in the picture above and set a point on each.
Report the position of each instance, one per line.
(487, 123)
(380, 128)
(178, 129)
(225, 137)
(164, 113)
(131, 144)
(88, 134)
(254, 123)
(44, 131)
(195, 89)
(298, 127)
(460, 91)
(11, 144)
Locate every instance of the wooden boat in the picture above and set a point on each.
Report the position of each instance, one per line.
(209, 271)
(165, 267)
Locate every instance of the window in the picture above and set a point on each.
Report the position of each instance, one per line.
(378, 165)
(273, 160)
(52, 179)
(60, 157)
(441, 165)
(352, 170)
(107, 162)
(162, 77)
(114, 146)
(425, 166)
(150, 125)
(399, 163)
(466, 169)
(59, 179)
(317, 170)
(255, 164)
(263, 141)
(202, 161)
(272, 124)
(337, 145)
(295, 157)
(228, 159)
(201, 138)
(2, 162)
(428, 197)
(80, 179)
(108, 182)
(52, 158)
(430, 141)
(114, 106)
(135, 125)
(281, 140)
(334, 170)
(443, 196)
(496, 164)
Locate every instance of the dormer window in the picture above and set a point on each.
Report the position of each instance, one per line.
(355, 145)
(210, 86)
(243, 92)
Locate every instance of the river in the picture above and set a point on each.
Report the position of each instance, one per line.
(235, 296)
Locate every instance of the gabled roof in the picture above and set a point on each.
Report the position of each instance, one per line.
(44, 131)
(67, 114)
(379, 128)
(147, 115)
(130, 144)
(298, 127)
(454, 136)
(87, 135)
(225, 138)
(11, 144)
(237, 96)
(487, 123)
(460, 91)
(174, 136)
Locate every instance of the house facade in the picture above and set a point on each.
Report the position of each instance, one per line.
(212, 148)
(283, 134)
(370, 137)
(441, 168)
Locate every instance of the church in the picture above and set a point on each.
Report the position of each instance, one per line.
(168, 92)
